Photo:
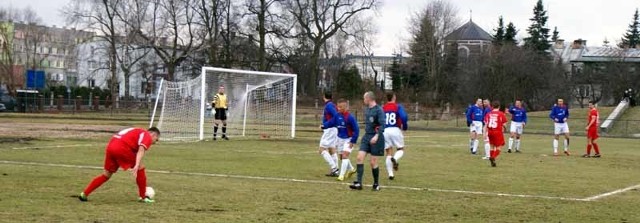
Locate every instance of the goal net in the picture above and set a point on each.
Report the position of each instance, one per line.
(260, 104)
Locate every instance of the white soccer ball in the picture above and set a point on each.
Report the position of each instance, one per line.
(150, 192)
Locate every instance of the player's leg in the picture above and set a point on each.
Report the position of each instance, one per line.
(512, 136)
(216, 123)
(326, 142)
(375, 171)
(223, 119)
(388, 163)
(596, 147)
(589, 146)
(357, 185)
(566, 141)
(110, 167)
(346, 167)
(141, 181)
(556, 136)
(399, 144)
(519, 132)
(334, 155)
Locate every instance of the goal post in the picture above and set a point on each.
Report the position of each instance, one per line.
(259, 104)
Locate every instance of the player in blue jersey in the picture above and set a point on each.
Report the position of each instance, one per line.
(396, 122)
(475, 118)
(518, 121)
(348, 132)
(329, 138)
(559, 115)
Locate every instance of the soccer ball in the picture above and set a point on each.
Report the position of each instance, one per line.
(150, 192)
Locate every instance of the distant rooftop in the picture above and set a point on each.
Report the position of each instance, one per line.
(469, 31)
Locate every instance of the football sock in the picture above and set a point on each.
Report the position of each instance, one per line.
(588, 149)
(327, 157)
(566, 144)
(345, 166)
(492, 153)
(398, 154)
(471, 144)
(475, 145)
(510, 143)
(497, 153)
(517, 144)
(215, 130)
(334, 156)
(376, 174)
(389, 166)
(224, 129)
(360, 171)
(95, 183)
(487, 147)
(555, 146)
(596, 148)
(141, 180)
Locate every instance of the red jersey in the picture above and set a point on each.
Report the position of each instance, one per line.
(132, 138)
(593, 113)
(495, 120)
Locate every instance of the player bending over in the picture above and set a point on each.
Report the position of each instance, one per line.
(494, 124)
(475, 116)
(220, 104)
(372, 141)
(592, 131)
(329, 138)
(348, 132)
(518, 121)
(396, 119)
(125, 150)
(560, 114)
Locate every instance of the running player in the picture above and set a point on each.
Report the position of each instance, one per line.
(592, 131)
(372, 141)
(220, 104)
(329, 136)
(518, 121)
(560, 114)
(475, 117)
(396, 119)
(494, 124)
(125, 150)
(348, 132)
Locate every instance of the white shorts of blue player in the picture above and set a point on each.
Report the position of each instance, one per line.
(393, 138)
(328, 144)
(516, 130)
(477, 127)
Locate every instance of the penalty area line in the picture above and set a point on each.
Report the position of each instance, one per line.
(599, 196)
(8, 162)
(53, 146)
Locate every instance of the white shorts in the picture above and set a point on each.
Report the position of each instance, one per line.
(561, 128)
(344, 145)
(393, 138)
(517, 127)
(476, 126)
(329, 138)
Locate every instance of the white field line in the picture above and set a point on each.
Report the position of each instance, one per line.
(599, 196)
(301, 181)
(53, 146)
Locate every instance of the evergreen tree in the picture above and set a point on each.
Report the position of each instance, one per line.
(349, 82)
(510, 34)
(499, 37)
(556, 34)
(631, 39)
(538, 39)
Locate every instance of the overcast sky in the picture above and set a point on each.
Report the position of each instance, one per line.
(593, 20)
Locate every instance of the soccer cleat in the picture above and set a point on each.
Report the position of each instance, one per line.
(225, 137)
(214, 138)
(509, 151)
(555, 154)
(350, 173)
(146, 200)
(518, 151)
(395, 164)
(83, 197)
(375, 187)
(333, 173)
(567, 153)
(485, 158)
(597, 156)
(340, 178)
(356, 186)
(493, 162)
(391, 177)
(586, 156)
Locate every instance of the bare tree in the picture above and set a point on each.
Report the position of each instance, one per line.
(7, 56)
(130, 48)
(269, 24)
(209, 18)
(320, 20)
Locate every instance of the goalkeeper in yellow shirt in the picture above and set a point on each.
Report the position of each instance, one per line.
(219, 104)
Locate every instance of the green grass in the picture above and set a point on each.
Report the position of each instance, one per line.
(438, 160)
(629, 123)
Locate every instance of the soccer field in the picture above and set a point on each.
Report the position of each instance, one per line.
(245, 180)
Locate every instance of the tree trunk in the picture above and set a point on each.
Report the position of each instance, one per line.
(127, 75)
(171, 70)
(262, 32)
(312, 80)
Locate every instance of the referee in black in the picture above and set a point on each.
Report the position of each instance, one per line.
(219, 103)
(372, 141)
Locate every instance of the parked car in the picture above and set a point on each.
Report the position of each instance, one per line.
(2, 108)
(8, 102)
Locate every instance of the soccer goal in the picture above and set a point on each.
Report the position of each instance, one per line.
(259, 104)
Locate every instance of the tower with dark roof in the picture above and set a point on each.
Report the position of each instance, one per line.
(471, 40)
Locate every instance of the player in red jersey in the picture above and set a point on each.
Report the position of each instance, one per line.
(592, 131)
(494, 124)
(125, 150)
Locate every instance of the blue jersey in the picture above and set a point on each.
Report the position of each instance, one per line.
(347, 126)
(518, 114)
(559, 113)
(395, 115)
(475, 113)
(330, 111)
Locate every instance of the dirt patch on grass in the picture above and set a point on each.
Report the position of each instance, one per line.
(14, 132)
(16, 140)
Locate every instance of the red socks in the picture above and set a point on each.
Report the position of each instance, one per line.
(494, 153)
(141, 180)
(596, 148)
(95, 183)
(589, 149)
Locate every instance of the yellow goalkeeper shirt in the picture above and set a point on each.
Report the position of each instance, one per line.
(220, 100)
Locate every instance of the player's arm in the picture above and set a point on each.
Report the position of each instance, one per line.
(552, 114)
(139, 155)
(329, 123)
(524, 117)
(567, 116)
(404, 117)
(332, 110)
(468, 114)
(593, 121)
(356, 129)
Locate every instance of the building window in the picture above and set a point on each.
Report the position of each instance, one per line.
(61, 64)
(91, 83)
(54, 50)
(92, 64)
